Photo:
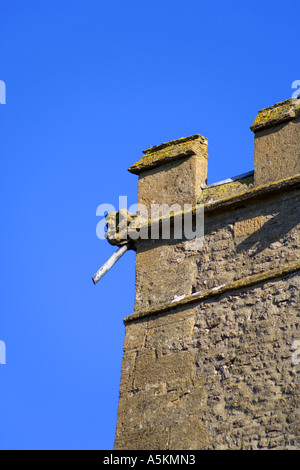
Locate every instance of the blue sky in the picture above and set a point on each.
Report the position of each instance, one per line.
(89, 85)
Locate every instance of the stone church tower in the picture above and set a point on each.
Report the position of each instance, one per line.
(212, 349)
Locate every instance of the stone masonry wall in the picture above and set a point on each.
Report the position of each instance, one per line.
(215, 375)
(248, 239)
(212, 349)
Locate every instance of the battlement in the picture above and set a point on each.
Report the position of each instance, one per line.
(209, 352)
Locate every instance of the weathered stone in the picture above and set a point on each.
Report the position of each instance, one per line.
(150, 369)
(208, 353)
(277, 135)
(277, 114)
(188, 434)
(237, 244)
(170, 151)
(172, 173)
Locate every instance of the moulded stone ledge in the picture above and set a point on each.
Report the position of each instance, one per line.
(216, 291)
(247, 194)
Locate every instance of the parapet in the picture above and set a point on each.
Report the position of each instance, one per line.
(175, 172)
(210, 358)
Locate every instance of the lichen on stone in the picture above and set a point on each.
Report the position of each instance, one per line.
(216, 193)
(159, 154)
(276, 114)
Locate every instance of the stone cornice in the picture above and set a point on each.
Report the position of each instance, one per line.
(255, 193)
(247, 196)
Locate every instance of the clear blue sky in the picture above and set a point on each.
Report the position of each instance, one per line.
(89, 85)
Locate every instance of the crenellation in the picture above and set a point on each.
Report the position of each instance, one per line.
(209, 352)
